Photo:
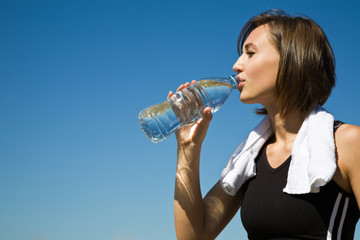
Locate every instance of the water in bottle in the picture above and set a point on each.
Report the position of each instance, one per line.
(185, 107)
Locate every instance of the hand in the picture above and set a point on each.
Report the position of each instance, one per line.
(194, 133)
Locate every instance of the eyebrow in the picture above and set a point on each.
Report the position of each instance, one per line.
(249, 45)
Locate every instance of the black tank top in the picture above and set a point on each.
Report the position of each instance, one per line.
(269, 213)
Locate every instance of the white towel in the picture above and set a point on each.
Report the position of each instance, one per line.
(313, 161)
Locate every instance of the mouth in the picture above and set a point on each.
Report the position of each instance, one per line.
(240, 81)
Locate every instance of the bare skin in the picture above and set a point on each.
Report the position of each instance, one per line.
(204, 218)
(197, 217)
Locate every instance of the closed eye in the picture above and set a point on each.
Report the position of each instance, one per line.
(250, 49)
(249, 53)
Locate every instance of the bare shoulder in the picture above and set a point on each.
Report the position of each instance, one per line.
(347, 139)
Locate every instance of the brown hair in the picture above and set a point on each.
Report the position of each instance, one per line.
(306, 72)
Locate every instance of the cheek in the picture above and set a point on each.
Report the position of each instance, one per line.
(265, 71)
(258, 71)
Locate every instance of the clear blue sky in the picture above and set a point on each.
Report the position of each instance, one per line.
(74, 74)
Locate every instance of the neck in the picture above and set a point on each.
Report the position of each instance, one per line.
(285, 127)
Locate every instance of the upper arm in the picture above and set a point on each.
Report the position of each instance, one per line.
(348, 148)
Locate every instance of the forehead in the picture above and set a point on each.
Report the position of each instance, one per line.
(258, 36)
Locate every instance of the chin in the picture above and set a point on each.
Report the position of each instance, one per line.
(245, 100)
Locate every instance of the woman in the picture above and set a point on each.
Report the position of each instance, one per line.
(286, 64)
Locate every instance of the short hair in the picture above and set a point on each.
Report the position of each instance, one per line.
(306, 72)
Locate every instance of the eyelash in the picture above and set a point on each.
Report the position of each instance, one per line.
(250, 54)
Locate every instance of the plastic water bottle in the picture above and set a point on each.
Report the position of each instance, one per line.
(185, 107)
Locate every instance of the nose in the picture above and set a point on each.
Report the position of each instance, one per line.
(238, 66)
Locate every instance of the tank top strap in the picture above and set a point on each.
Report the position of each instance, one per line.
(337, 124)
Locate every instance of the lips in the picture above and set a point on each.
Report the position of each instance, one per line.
(240, 81)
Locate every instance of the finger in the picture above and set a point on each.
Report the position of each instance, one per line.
(207, 117)
(203, 124)
(193, 81)
(180, 87)
(207, 114)
(185, 85)
(170, 94)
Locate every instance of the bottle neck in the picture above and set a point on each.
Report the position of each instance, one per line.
(233, 79)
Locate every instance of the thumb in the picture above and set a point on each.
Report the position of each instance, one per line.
(205, 121)
(207, 114)
(201, 126)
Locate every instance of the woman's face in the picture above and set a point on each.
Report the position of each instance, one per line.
(257, 68)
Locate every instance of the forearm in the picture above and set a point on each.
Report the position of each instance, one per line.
(188, 202)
